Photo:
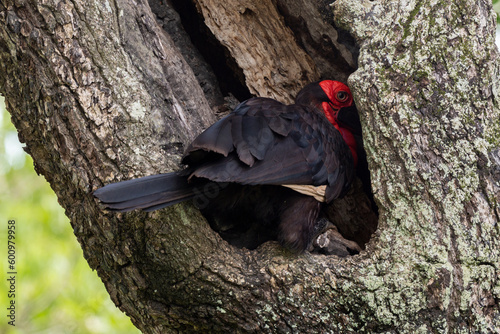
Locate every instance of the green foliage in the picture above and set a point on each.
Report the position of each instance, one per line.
(496, 8)
(56, 291)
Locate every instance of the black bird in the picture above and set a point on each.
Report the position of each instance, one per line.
(265, 162)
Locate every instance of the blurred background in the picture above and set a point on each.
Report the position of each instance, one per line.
(56, 291)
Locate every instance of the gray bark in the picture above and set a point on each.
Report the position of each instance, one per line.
(106, 91)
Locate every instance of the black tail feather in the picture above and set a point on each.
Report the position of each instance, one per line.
(148, 193)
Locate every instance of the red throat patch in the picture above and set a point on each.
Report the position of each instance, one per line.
(332, 89)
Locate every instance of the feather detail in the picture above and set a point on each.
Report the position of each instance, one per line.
(317, 192)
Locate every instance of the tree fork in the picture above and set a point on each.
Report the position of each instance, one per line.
(100, 93)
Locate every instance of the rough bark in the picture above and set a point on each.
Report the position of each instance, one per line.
(100, 92)
(431, 100)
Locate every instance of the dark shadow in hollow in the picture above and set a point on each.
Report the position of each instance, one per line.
(354, 217)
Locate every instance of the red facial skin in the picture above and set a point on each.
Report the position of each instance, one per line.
(340, 96)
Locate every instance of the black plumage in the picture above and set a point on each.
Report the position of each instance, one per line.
(238, 165)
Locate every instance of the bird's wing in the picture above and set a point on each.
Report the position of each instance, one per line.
(247, 130)
(265, 142)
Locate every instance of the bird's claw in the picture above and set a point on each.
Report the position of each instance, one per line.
(327, 240)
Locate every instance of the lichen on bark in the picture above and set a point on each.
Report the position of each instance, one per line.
(426, 88)
(99, 92)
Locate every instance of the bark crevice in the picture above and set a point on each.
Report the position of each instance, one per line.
(201, 49)
(97, 104)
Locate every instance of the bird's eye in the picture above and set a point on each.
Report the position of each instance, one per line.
(342, 96)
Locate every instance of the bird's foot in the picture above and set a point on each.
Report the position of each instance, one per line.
(327, 240)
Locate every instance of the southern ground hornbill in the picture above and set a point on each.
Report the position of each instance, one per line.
(266, 164)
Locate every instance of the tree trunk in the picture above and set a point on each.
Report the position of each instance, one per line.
(111, 90)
